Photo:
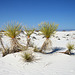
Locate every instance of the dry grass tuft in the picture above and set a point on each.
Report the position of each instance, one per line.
(70, 46)
(28, 57)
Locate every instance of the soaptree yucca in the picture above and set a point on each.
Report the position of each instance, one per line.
(29, 32)
(70, 47)
(12, 30)
(28, 57)
(48, 30)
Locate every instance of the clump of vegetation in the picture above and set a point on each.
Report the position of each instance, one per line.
(36, 49)
(28, 57)
(12, 30)
(29, 32)
(70, 47)
(48, 30)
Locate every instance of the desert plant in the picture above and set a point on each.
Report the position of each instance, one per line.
(48, 30)
(70, 47)
(12, 30)
(36, 49)
(29, 32)
(28, 57)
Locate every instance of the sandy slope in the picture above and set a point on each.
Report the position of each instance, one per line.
(44, 64)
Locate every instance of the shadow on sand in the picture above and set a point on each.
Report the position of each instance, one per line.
(72, 54)
(55, 49)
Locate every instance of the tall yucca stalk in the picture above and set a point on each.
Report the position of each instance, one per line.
(48, 30)
(12, 30)
(29, 32)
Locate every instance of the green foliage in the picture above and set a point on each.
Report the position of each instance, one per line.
(29, 31)
(70, 46)
(27, 57)
(13, 29)
(36, 49)
(48, 29)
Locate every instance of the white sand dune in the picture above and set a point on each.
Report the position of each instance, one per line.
(44, 64)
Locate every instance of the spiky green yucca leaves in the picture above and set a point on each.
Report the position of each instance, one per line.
(27, 57)
(29, 31)
(70, 46)
(48, 29)
(12, 30)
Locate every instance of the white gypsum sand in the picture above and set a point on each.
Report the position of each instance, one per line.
(43, 64)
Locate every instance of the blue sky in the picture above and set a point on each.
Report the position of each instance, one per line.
(33, 12)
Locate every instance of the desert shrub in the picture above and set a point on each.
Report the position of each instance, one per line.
(36, 49)
(48, 30)
(28, 57)
(70, 46)
(12, 30)
(29, 32)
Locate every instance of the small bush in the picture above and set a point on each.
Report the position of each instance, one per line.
(13, 29)
(28, 57)
(29, 31)
(70, 46)
(36, 49)
(48, 29)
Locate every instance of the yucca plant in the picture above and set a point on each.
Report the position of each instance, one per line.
(29, 32)
(12, 30)
(36, 49)
(28, 57)
(48, 30)
(70, 47)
